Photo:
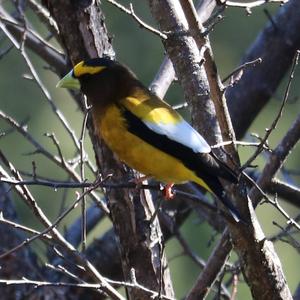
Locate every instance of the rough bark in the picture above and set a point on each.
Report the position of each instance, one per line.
(257, 256)
(184, 54)
(84, 35)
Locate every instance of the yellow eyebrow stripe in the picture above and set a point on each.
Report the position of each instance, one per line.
(82, 69)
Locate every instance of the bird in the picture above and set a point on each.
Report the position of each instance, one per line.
(145, 132)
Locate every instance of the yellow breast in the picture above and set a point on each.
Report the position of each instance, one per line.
(138, 154)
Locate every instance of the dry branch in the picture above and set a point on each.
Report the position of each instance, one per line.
(84, 35)
(259, 260)
(276, 46)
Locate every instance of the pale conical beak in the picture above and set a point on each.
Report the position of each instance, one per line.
(69, 82)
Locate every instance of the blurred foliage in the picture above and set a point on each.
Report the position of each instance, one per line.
(143, 52)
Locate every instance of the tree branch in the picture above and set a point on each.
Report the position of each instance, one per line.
(276, 46)
(276, 160)
(193, 79)
(84, 35)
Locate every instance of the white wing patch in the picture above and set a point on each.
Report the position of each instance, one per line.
(183, 133)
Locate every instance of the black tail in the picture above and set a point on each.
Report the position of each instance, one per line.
(219, 191)
(215, 185)
(224, 170)
(232, 209)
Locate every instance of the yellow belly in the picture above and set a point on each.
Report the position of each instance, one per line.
(140, 155)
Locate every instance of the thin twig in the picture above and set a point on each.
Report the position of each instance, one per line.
(180, 106)
(286, 233)
(239, 143)
(55, 141)
(278, 116)
(38, 212)
(56, 111)
(234, 287)
(36, 283)
(54, 224)
(68, 184)
(127, 185)
(40, 149)
(45, 50)
(252, 4)
(82, 174)
(94, 217)
(65, 271)
(238, 72)
(286, 191)
(44, 15)
(274, 202)
(131, 13)
(22, 227)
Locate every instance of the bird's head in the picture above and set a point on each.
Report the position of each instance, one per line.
(98, 77)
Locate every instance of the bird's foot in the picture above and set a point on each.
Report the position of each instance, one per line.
(167, 191)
